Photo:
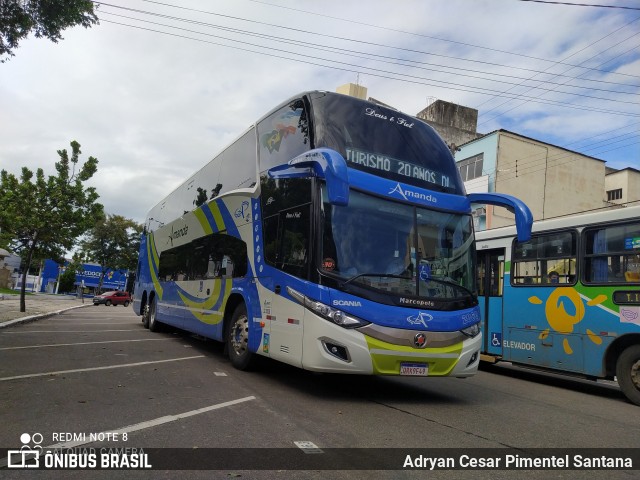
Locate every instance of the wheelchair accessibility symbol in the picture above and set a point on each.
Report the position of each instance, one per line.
(496, 339)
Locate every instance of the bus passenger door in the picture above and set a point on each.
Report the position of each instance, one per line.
(490, 291)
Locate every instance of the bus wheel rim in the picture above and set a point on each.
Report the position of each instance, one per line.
(239, 335)
(635, 374)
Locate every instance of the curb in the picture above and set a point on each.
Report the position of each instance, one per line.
(39, 316)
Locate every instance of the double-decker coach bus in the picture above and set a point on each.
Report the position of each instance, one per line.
(334, 235)
(568, 299)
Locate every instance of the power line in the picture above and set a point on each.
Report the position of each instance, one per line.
(308, 32)
(352, 21)
(581, 4)
(356, 54)
(573, 54)
(405, 78)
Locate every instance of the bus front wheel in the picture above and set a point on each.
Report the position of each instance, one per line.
(628, 373)
(238, 339)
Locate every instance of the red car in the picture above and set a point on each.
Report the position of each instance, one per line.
(113, 298)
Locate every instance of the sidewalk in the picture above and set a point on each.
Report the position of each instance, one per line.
(38, 306)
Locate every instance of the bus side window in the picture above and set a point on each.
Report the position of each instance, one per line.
(545, 260)
(611, 254)
(283, 135)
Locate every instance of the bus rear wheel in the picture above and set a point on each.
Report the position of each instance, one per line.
(145, 316)
(238, 339)
(628, 373)
(154, 324)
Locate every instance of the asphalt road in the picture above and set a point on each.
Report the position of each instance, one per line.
(96, 370)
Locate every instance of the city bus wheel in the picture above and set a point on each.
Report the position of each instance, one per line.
(238, 339)
(154, 324)
(145, 316)
(628, 373)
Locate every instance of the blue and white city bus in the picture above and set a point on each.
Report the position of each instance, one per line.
(334, 235)
(568, 299)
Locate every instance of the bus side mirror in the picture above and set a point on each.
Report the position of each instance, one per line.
(524, 217)
(320, 162)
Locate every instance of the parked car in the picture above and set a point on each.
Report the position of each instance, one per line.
(113, 298)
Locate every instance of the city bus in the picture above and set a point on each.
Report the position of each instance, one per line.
(333, 235)
(567, 300)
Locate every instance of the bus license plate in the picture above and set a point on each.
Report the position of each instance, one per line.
(414, 369)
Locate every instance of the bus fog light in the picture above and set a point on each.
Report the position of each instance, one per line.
(473, 359)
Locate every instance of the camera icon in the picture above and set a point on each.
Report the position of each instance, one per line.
(28, 456)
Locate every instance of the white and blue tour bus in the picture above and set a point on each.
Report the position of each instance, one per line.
(334, 235)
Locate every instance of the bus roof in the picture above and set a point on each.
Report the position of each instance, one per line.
(606, 215)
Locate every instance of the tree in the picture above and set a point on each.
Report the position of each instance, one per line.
(68, 277)
(46, 18)
(113, 242)
(43, 218)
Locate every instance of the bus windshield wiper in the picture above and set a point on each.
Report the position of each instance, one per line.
(386, 275)
(449, 283)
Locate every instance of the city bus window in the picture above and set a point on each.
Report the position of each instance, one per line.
(612, 254)
(545, 260)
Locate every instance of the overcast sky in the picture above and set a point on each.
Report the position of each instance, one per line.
(155, 107)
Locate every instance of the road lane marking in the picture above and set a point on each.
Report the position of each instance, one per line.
(157, 421)
(308, 447)
(143, 425)
(73, 331)
(85, 343)
(31, 375)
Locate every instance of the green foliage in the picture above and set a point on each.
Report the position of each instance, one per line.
(68, 277)
(42, 218)
(113, 242)
(45, 18)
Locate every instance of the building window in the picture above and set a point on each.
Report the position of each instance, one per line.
(471, 167)
(614, 194)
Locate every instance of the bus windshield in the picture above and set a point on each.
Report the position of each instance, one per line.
(404, 251)
(384, 142)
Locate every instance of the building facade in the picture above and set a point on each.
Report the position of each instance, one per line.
(551, 180)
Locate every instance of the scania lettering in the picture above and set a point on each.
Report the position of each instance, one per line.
(334, 235)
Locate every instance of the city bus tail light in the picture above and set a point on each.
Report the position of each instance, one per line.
(325, 311)
(471, 331)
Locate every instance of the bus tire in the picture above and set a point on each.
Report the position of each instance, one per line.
(628, 373)
(154, 324)
(145, 316)
(238, 339)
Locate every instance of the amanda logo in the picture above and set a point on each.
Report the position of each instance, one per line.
(176, 234)
(411, 195)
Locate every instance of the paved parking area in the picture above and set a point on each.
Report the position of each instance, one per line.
(36, 306)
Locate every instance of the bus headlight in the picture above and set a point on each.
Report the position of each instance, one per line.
(472, 331)
(325, 311)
